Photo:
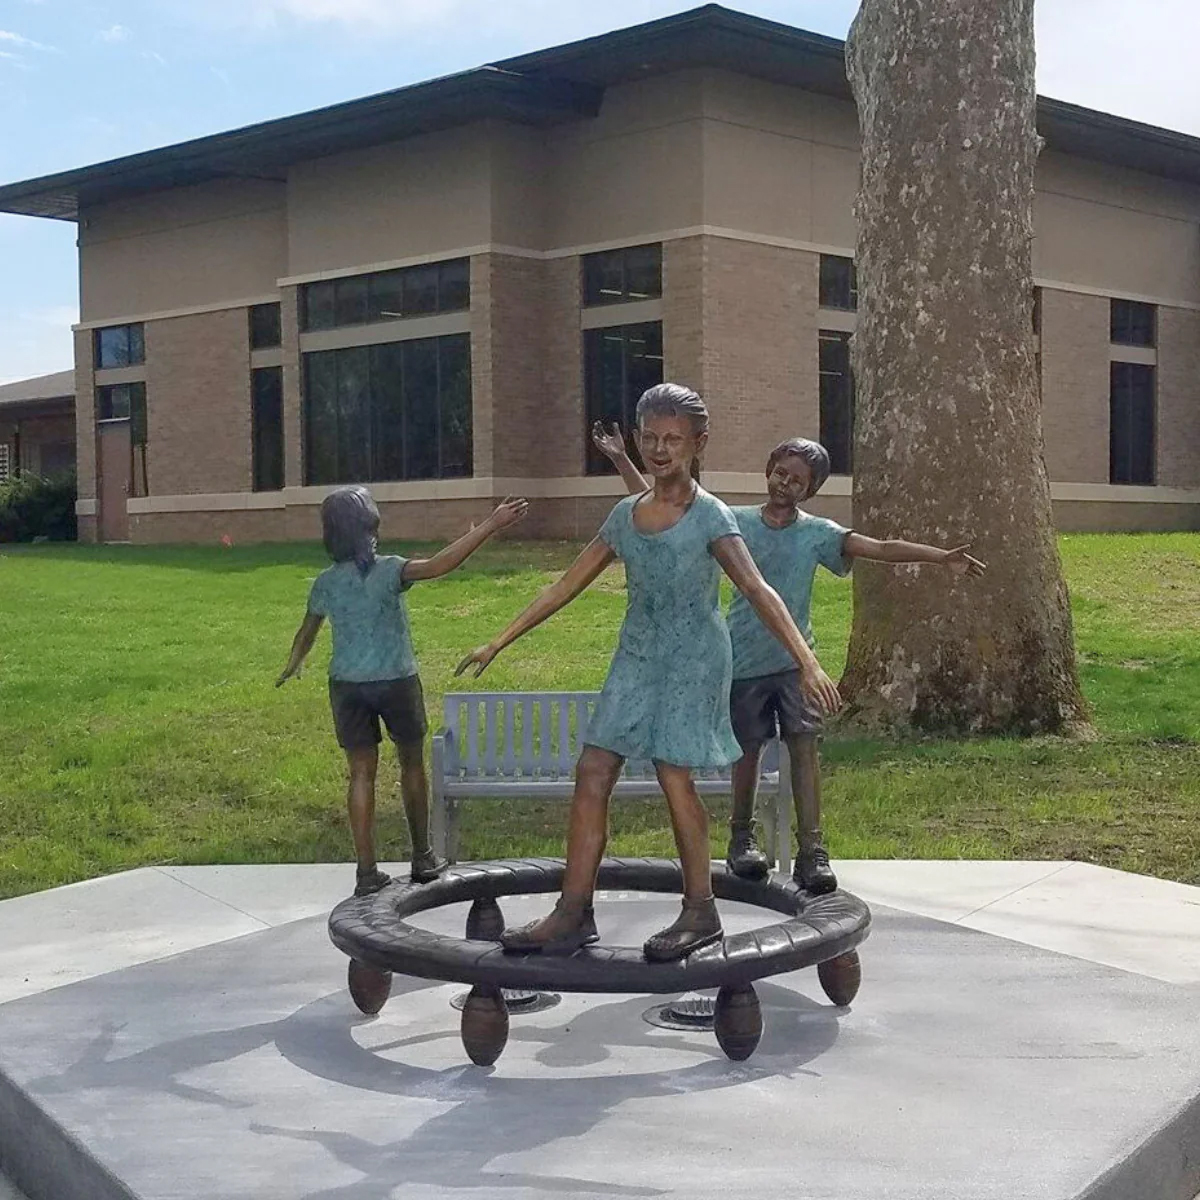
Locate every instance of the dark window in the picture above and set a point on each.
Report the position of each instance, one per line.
(265, 327)
(56, 458)
(617, 276)
(1131, 424)
(1132, 324)
(396, 411)
(837, 400)
(120, 346)
(386, 295)
(124, 402)
(266, 428)
(620, 363)
(838, 287)
(5, 461)
(1037, 311)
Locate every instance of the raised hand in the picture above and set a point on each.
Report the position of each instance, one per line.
(509, 511)
(821, 690)
(481, 657)
(610, 442)
(961, 563)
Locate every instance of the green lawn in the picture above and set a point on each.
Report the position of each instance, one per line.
(139, 724)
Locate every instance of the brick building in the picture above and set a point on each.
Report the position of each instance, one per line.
(436, 290)
(37, 425)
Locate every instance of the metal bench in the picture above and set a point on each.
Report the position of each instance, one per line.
(523, 745)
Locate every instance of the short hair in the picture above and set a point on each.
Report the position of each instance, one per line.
(813, 453)
(350, 526)
(675, 400)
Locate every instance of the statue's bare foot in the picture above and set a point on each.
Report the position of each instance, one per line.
(569, 927)
(427, 866)
(371, 880)
(698, 925)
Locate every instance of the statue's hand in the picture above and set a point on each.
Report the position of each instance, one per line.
(961, 563)
(610, 442)
(480, 657)
(821, 690)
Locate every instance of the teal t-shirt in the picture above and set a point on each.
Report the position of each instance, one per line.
(788, 559)
(371, 640)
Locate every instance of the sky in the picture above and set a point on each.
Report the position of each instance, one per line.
(82, 81)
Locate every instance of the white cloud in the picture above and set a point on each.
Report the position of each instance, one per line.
(15, 39)
(114, 33)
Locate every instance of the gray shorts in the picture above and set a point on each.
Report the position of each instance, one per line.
(359, 708)
(769, 704)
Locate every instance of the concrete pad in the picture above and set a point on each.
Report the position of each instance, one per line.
(945, 889)
(1133, 922)
(969, 1068)
(277, 893)
(71, 933)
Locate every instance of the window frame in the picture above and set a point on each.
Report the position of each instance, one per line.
(1124, 326)
(595, 463)
(451, 362)
(836, 459)
(1131, 456)
(451, 293)
(592, 265)
(275, 330)
(826, 286)
(135, 346)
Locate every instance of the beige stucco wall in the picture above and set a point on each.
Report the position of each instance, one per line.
(423, 196)
(222, 242)
(1116, 230)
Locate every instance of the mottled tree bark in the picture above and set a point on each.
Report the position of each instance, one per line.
(948, 433)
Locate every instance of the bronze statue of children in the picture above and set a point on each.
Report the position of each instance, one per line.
(788, 545)
(666, 697)
(373, 672)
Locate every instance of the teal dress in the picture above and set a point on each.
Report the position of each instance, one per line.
(666, 697)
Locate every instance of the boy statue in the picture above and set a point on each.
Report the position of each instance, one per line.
(766, 698)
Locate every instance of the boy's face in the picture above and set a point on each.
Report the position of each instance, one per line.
(789, 481)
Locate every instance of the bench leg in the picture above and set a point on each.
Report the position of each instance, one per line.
(437, 799)
(452, 828)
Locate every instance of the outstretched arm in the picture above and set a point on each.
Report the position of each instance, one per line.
(895, 551)
(611, 443)
(301, 645)
(736, 562)
(579, 575)
(509, 512)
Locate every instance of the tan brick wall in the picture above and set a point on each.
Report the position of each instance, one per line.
(198, 403)
(760, 350)
(684, 267)
(1099, 516)
(293, 384)
(85, 416)
(412, 520)
(557, 440)
(1178, 432)
(1075, 386)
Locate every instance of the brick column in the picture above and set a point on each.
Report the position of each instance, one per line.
(293, 421)
(1075, 386)
(1178, 419)
(85, 428)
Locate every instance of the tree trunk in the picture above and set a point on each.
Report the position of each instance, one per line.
(948, 432)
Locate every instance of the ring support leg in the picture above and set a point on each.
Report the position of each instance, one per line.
(484, 1025)
(738, 1021)
(485, 921)
(369, 988)
(840, 977)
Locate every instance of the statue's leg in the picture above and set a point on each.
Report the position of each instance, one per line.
(753, 717)
(414, 789)
(363, 763)
(811, 869)
(572, 923)
(699, 923)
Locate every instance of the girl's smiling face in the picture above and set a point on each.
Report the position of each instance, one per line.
(668, 445)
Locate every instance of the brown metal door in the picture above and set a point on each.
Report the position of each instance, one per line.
(113, 481)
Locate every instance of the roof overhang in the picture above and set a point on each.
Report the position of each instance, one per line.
(548, 87)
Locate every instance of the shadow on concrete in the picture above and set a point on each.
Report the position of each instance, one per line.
(493, 1115)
